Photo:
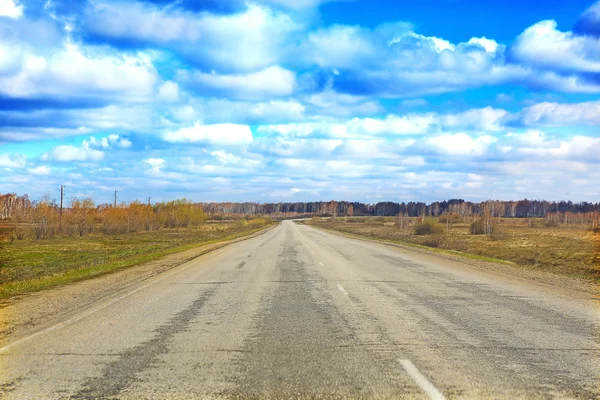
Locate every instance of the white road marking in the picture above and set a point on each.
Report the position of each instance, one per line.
(320, 263)
(422, 381)
(341, 289)
(92, 311)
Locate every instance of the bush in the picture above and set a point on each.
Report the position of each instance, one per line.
(476, 228)
(434, 241)
(498, 233)
(429, 227)
(453, 219)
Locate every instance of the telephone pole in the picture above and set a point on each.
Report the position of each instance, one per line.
(149, 200)
(115, 203)
(62, 196)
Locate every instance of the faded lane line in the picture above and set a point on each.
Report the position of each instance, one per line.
(422, 381)
(100, 308)
(341, 289)
(320, 263)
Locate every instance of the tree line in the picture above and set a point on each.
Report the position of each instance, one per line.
(507, 209)
(12, 204)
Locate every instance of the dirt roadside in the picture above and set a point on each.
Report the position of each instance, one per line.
(25, 314)
(507, 272)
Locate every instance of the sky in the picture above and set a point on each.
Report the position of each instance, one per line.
(300, 100)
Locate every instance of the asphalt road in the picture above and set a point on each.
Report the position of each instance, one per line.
(302, 313)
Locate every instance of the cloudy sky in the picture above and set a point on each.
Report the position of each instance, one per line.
(295, 100)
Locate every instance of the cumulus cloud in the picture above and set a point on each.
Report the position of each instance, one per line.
(543, 45)
(69, 153)
(460, 144)
(74, 72)
(557, 114)
(169, 91)
(156, 164)
(12, 160)
(269, 82)
(484, 119)
(247, 40)
(41, 170)
(11, 9)
(107, 142)
(220, 134)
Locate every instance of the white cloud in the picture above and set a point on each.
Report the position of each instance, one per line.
(68, 153)
(223, 134)
(169, 91)
(544, 46)
(11, 9)
(12, 160)
(551, 113)
(580, 148)
(133, 19)
(392, 125)
(156, 164)
(339, 46)
(486, 119)
(489, 45)
(333, 103)
(41, 170)
(531, 137)
(231, 159)
(271, 81)
(74, 71)
(107, 142)
(252, 39)
(460, 144)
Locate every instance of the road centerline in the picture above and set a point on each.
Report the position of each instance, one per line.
(341, 289)
(432, 392)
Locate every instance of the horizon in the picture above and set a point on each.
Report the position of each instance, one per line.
(427, 203)
(273, 101)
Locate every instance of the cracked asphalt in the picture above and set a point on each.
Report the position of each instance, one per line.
(302, 313)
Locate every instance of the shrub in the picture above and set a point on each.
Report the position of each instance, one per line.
(476, 228)
(498, 233)
(434, 241)
(452, 218)
(429, 227)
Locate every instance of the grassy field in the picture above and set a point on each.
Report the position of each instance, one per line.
(28, 265)
(572, 250)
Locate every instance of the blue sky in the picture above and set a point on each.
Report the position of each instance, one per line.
(280, 100)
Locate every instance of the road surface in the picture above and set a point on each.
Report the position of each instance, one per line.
(303, 313)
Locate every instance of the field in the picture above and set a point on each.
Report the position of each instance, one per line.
(27, 265)
(572, 250)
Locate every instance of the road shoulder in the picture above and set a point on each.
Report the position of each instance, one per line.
(504, 271)
(28, 313)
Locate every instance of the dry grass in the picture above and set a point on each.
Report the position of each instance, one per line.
(572, 250)
(27, 265)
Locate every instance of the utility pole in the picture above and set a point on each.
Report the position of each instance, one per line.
(62, 196)
(115, 203)
(149, 200)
